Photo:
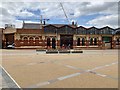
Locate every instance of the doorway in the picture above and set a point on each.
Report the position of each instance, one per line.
(9, 39)
(53, 43)
(108, 41)
(66, 41)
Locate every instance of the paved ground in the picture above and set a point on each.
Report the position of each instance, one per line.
(6, 80)
(91, 69)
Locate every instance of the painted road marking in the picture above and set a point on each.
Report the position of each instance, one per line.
(107, 65)
(73, 75)
(42, 84)
(68, 76)
(31, 63)
(10, 77)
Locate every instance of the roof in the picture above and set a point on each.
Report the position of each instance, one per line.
(61, 25)
(118, 32)
(106, 27)
(31, 26)
(92, 28)
(29, 31)
(37, 25)
(82, 27)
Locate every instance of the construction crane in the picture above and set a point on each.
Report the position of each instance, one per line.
(65, 13)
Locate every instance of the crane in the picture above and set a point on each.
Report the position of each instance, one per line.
(65, 13)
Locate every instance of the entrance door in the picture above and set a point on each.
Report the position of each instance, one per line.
(66, 41)
(53, 43)
(108, 41)
(9, 39)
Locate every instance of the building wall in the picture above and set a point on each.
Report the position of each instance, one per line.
(1, 38)
(40, 41)
(30, 38)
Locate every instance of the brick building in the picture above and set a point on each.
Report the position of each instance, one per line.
(1, 37)
(58, 36)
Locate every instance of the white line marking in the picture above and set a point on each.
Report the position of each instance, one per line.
(70, 67)
(68, 76)
(115, 62)
(76, 74)
(101, 75)
(107, 65)
(42, 84)
(31, 63)
(88, 70)
(11, 77)
(97, 68)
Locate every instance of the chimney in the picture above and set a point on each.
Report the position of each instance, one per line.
(23, 25)
(73, 23)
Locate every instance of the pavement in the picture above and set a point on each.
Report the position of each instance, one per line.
(90, 69)
(6, 80)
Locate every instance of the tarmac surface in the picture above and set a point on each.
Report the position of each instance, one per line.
(90, 69)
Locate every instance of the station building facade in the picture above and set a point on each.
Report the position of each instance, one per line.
(60, 36)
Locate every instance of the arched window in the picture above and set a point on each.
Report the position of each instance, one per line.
(25, 38)
(53, 43)
(95, 41)
(83, 41)
(118, 41)
(91, 41)
(78, 42)
(37, 38)
(31, 38)
(48, 41)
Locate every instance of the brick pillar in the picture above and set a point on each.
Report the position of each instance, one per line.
(17, 43)
(58, 41)
(100, 44)
(87, 43)
(74, 41)
(43, 42)
(3, 43)
(58, 44)
(113, 43)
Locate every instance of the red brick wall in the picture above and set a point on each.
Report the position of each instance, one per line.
(1, 37)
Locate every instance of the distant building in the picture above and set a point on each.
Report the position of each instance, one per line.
(1, 29)
(52, 36)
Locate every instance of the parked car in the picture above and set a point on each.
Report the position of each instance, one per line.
(11, 46)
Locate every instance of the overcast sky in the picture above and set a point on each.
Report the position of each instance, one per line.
(86, 14)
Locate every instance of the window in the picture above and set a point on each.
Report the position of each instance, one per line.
(78, 42)
(31, 38)
(83, 41)
(48, 41)
(91, 41)
(25, 38)
(53, 43)
(37, 38)
(95, 41)
(118, 41)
